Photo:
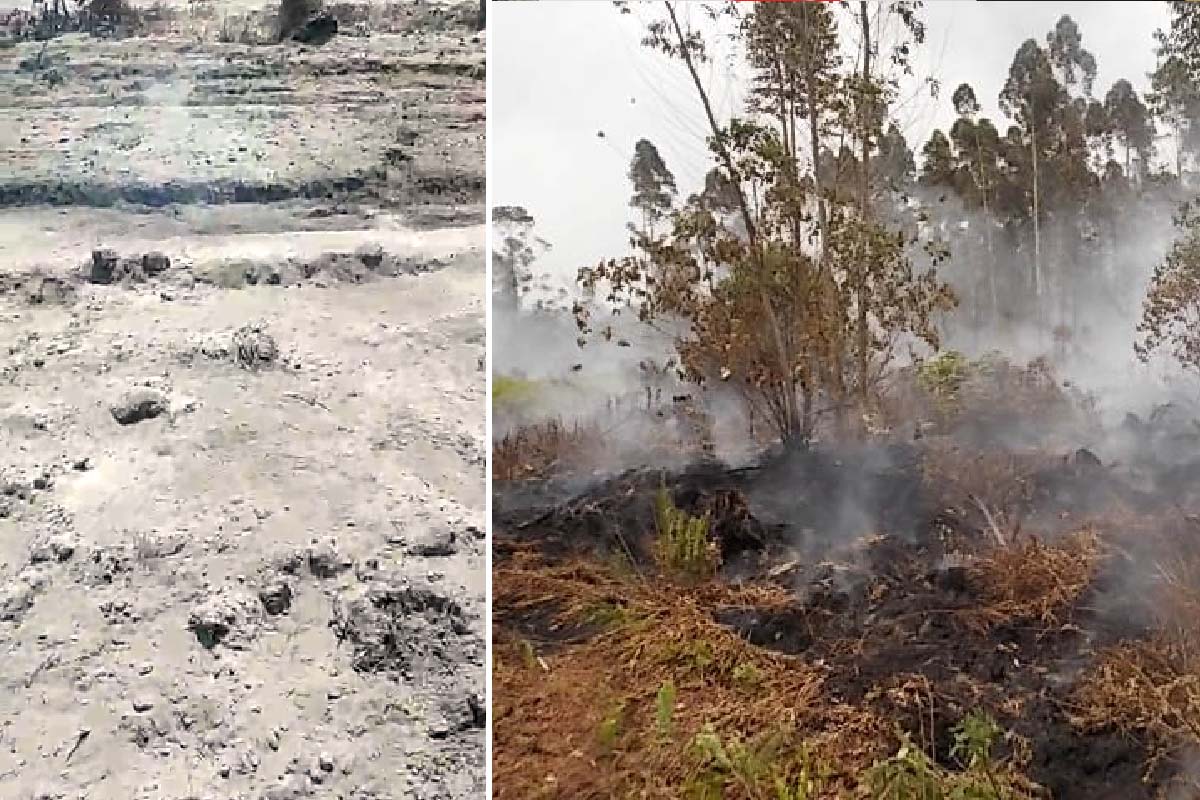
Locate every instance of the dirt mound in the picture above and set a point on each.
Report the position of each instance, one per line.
(317, 30)
(37, 288)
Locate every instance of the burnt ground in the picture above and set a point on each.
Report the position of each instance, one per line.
(878, 563)
(242, 416)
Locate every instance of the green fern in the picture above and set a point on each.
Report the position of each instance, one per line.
(665, 709)
(683, 544)
(760, 769)
(911, 775)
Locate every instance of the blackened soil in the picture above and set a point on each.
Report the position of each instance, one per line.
(895, 612)
(903, 621)
(804, 499)
(455, 189)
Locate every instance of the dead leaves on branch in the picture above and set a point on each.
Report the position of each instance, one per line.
(1171, 310)
(712, 284)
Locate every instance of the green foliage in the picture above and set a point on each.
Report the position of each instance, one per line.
(610, 728)
(608, 615)
(763, 769)
(910, 774)
(694, 656)
(1176, 80)
(664, 709)
(515, 248)
(942, 379)
(653, 183)
(794, 327)
(1171, 310)
(683, 544)
(973, 740)
(747, 676)
(512, 393)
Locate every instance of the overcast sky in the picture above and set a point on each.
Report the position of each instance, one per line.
(565, 70)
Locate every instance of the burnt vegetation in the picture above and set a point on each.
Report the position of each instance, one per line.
(834, 534)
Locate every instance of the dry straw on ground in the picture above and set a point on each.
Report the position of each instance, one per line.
(585, 720)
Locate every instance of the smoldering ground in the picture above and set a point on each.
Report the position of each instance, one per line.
(891, 554)
(997, 550)
(1009, 529)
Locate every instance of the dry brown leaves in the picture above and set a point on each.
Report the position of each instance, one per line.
(1146, 689)
(580, 720)
(1033, 581)
(1152, 687)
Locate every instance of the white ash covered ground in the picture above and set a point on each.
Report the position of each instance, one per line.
(242, 417)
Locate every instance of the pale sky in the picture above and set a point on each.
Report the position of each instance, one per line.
(564, 70)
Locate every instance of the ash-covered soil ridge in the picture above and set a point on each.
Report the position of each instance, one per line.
(242, 415)
(390, 118)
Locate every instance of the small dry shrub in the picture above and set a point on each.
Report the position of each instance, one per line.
(1032, 390)
(1151, 688)
(1146, 689)
(540, 449)
(1032, 581)
(1175, 597)
(548, 446)
(987, 488)
(949, 390)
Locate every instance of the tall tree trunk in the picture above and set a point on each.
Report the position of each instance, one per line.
(984, 188)
(814, 135)
(865, 110)
(992, 266)
(828, 362)
(782, 111)
(789, 426)
(1037, 222)
(1178, 153)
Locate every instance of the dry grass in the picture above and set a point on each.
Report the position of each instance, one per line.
(583, 720)
(1144, 688)
(1176, 598)
(538, 450)
(1032, 581)
(1151, 688)
(551, 447)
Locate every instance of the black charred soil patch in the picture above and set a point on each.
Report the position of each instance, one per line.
(910, 602)
(369, 185)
